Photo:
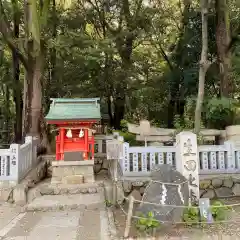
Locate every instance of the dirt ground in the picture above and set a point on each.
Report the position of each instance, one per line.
(229, 230)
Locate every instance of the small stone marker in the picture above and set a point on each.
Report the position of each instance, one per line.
(114, 149)
(168, 187)
(204, 206)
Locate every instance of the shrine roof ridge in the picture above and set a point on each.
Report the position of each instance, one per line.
(74, 109)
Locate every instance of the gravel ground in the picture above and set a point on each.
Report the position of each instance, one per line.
(230, 230)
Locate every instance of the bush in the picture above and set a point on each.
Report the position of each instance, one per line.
(129, 137)
(219, 210)
(124, 127)
(220, 112)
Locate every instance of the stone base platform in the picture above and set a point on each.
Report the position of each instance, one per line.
(72, 172)
(46, 188)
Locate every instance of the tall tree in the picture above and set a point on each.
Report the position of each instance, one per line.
(204, 65)
(17, 93)
(223, 39)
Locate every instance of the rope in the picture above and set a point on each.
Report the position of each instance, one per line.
(175, 206)
(171, 184)
(129, 215)
(183, 222)
(192, 222)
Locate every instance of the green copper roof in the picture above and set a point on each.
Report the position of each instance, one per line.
(74, 109)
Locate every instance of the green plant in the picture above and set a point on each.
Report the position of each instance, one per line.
(124, 127)
(108, 203)
(129, 137)
(147, 223)
(191, 216)
(220, 112)
(219, 210)
(181, 125)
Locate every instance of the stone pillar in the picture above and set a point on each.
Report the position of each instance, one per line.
(187, 162)
(29, 140)
(14, 162)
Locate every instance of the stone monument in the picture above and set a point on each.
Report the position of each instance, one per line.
(168, 188)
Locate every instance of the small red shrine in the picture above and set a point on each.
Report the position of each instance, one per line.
(75, 119)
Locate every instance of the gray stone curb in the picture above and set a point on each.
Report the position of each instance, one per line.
(111, 226)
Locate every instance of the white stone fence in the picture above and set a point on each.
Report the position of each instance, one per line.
(211, 159)
(18, 160)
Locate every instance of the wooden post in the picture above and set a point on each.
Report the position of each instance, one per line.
(86, 144)
(62, 132)
(129, 217)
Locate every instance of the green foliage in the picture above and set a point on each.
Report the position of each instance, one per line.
(220, 112)
(124, 127)
(147, 223)
(108, 203)
(129, 137)
(146, 59)
(192, 216)
(219, 210)
(186, 122)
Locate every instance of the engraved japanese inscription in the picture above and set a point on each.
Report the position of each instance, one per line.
(188, 148)
(190, 165)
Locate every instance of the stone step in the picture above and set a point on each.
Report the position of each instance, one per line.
(67, 202)
(64, 189)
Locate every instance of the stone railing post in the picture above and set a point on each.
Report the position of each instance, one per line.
(230, 161)
(14, 161)
(29, 140)
(187, 162)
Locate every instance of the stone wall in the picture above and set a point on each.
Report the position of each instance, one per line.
(209, 188)
(219, 187)
(18, 193)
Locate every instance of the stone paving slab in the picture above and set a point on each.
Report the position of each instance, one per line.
(70, 225)
(7, 213)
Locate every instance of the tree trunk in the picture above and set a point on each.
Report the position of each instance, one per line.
(119, 109)
(176, 103)
(53, 59)
(224, 54)
(33, 93)
(36, 97)
(17, 95)
(120, 99)
(47, 86)
(109, 104)
(6, 115)
(204, 65)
